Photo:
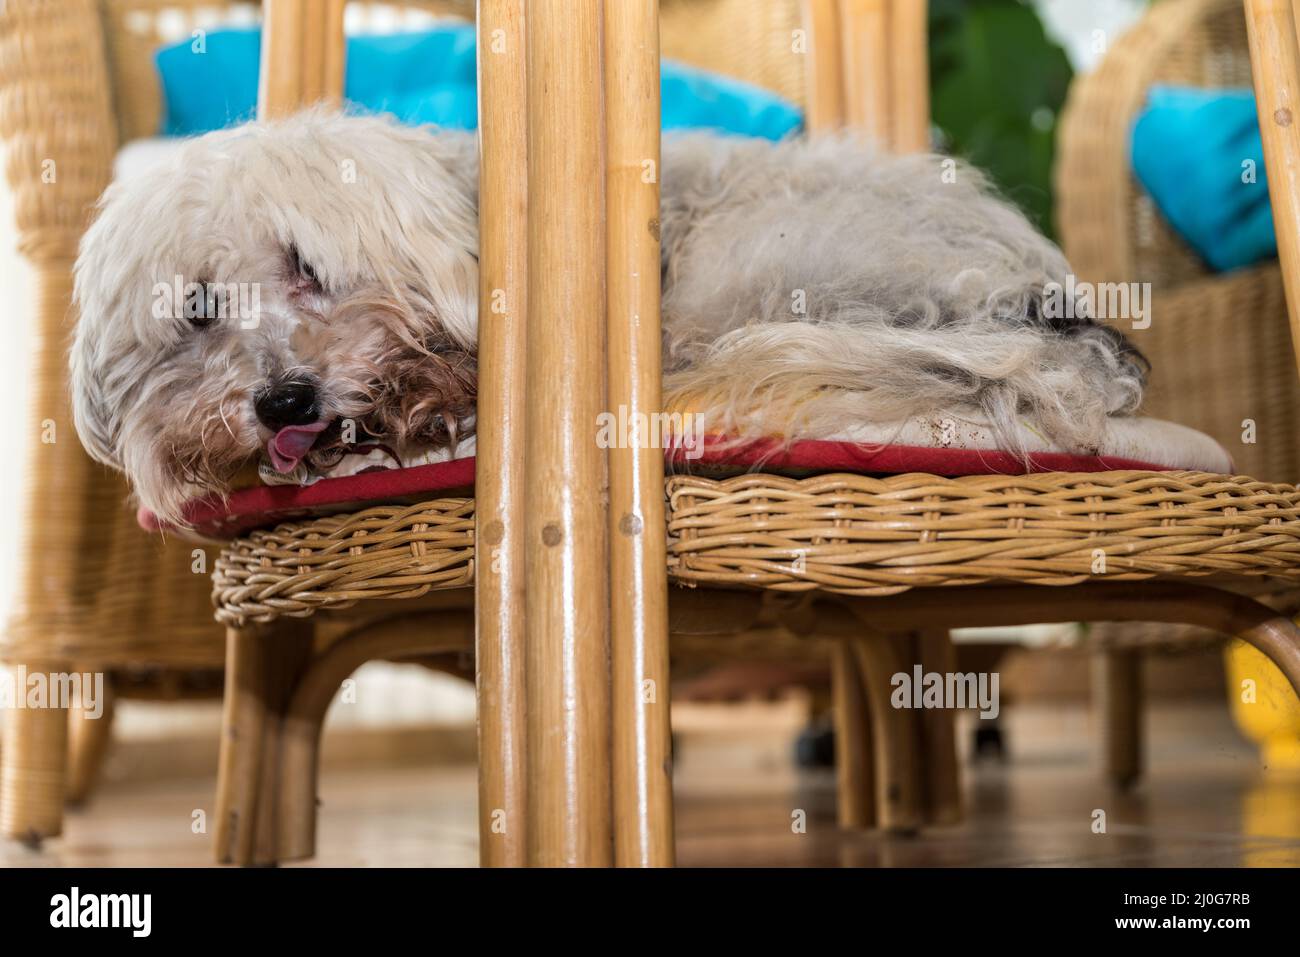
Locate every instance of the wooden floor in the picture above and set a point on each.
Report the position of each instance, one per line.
(1206, 802)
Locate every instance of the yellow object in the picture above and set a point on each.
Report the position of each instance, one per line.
(1263, 705)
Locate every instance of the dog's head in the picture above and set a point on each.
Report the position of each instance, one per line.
(267, 283)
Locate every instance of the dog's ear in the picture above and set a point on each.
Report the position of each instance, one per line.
(91, 414)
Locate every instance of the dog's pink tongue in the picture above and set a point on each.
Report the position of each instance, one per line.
(291, 443)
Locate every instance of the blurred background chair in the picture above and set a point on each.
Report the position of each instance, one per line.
(77, 83)
(1218, 342)
(96, 593)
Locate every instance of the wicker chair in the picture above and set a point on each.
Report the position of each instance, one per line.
(77, 82)
(279, 689)
(96, 593)
(1112, 231)
(876, 568)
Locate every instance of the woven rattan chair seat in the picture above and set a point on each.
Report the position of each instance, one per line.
(841, 533)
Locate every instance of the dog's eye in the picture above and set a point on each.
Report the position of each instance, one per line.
(204, 303)
(303, 275)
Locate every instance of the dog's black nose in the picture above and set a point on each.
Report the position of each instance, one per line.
(293, 403)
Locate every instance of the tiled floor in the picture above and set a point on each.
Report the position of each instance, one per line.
(1205, 802)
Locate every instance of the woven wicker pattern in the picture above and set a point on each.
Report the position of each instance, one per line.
(858, 535)
(381, 552)
(849, 534)
(1223, 364)
(754, 42)
(1218, 344)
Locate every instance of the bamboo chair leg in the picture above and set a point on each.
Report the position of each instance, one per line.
(1279, 639)
(88, 743)
(825, 70)
(33, 762)
(854, 774)
(640, 729)
(865, 53)
(567, 592)
(263, 663)
(1117, 711)
(298, 767)
(1231, 614)
(1275, 63)
(894, 738)
(938, 730)
(499, 487)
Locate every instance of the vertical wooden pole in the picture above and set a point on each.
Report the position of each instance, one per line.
(279, 89)
(263, 666)
(302, 56)
(245, 717)
(938, 728)
(1117, 712)
(642, 781)
(909, 76)
(1275, 59)
(567, 587)
(894, 737)
(854, 774)
(868, 97)
(825, 69)
(499, 486)
(88, 743)
(333, 61)
(33, 760)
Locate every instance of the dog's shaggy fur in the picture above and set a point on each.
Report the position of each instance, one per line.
(804, 284)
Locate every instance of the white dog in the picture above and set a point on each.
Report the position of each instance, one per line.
(804, 284)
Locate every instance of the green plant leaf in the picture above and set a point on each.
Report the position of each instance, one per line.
(997, 86)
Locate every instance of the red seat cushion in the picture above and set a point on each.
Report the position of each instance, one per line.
(268, 505)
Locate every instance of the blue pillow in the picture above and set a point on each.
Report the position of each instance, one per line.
(209, 88)
(1199, 154)
(429, 77)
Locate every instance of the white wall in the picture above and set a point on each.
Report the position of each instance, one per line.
(1086, 28)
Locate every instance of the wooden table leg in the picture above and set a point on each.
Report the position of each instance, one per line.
(499, 488)
(642, 749)
(567, 588)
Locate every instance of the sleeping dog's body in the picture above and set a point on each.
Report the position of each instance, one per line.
(803, 284)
